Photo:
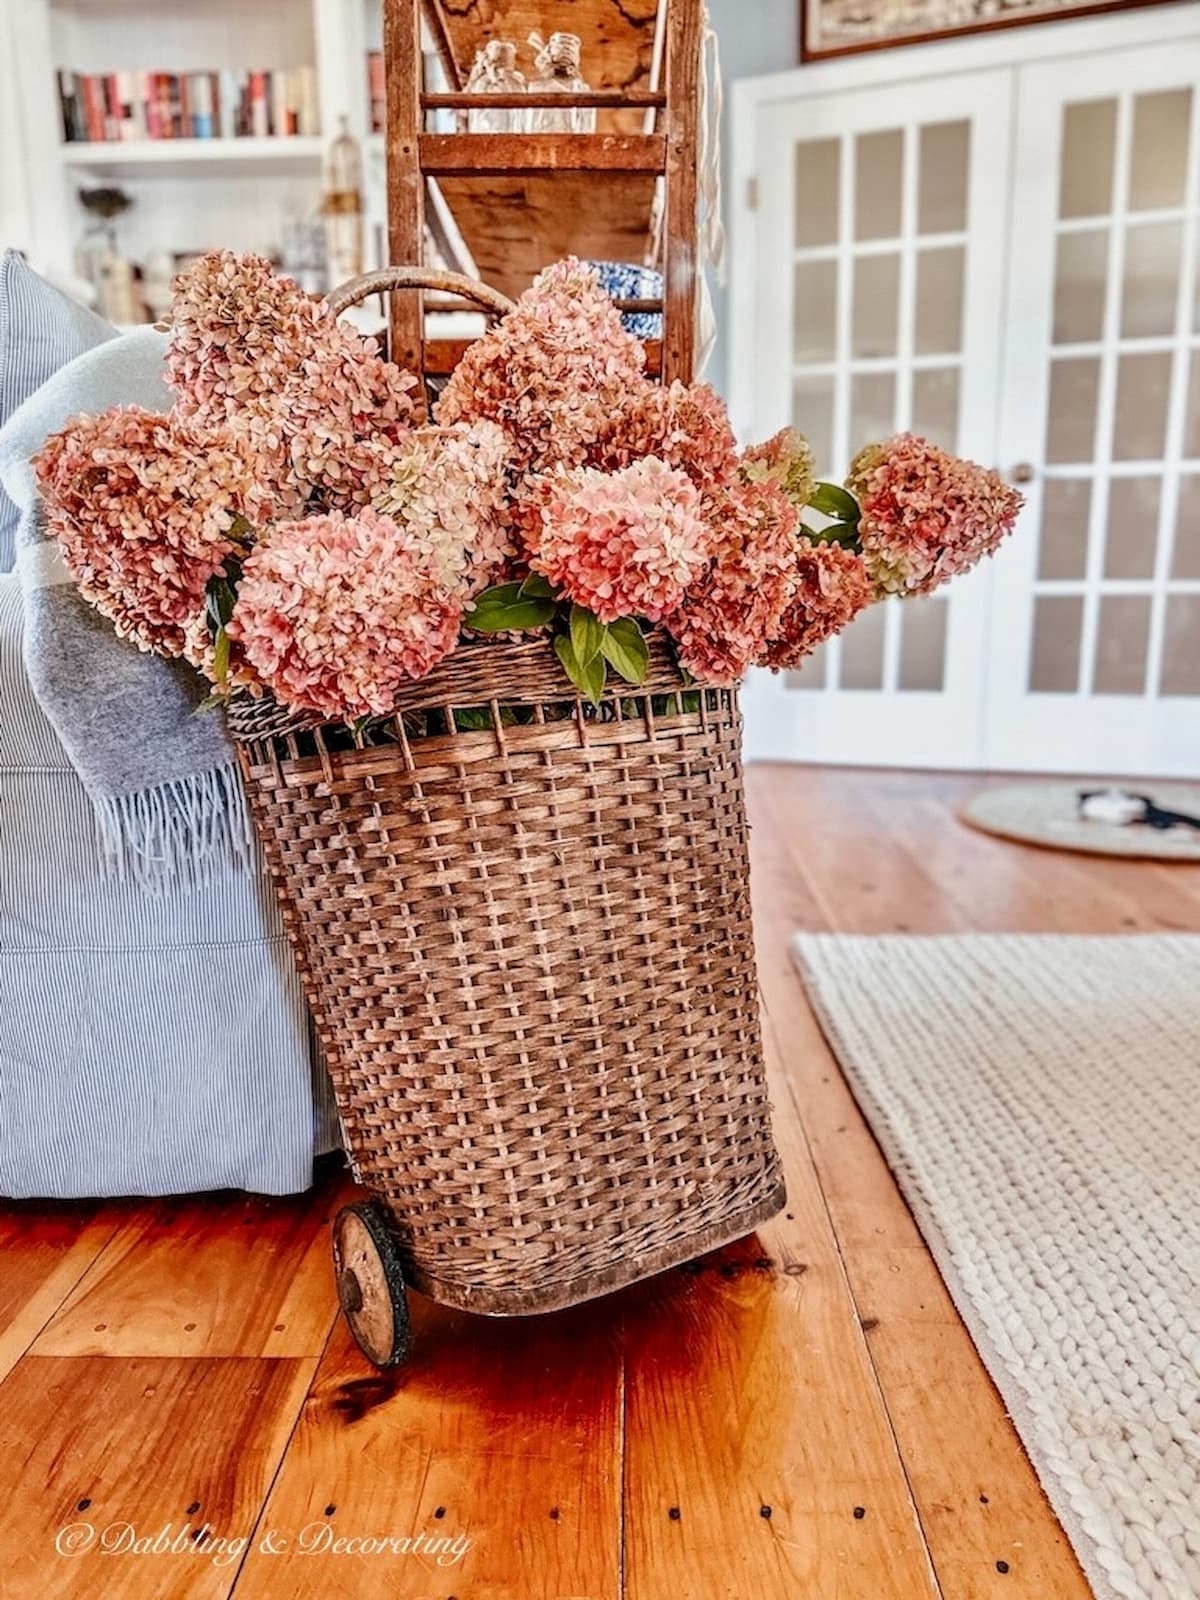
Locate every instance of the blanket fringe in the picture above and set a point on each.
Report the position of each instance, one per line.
(181, 834)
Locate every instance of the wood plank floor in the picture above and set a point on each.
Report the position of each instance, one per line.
(800, 1417)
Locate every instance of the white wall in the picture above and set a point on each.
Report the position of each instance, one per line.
(755, 36)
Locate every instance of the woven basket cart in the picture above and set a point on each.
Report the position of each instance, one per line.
(523, 928)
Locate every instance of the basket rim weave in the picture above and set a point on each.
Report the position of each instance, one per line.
(477, 672)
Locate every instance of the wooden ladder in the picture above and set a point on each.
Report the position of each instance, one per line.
(668, 151)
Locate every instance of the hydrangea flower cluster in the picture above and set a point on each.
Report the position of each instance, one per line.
(290, 528)
(336, 612)
(786, 458)
(624, 543)
(830, 586)
(449, 486)
(146, 509)
(551, 373)
(926, 515)
(684, 425)
(308, 394)
(726, 618)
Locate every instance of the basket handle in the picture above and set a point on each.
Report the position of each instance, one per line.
(369, 283)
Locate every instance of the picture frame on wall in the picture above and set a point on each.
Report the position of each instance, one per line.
(845, 27)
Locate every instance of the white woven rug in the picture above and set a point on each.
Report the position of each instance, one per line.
(1038, 1098)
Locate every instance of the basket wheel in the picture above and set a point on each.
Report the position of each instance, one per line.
(370, 1283)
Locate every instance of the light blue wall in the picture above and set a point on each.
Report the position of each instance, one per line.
(755, 36)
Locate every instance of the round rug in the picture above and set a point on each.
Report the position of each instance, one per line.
(1046, 813)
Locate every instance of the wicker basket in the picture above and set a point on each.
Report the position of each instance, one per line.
(528, 950)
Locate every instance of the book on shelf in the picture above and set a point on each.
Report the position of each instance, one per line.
(376, 91)
(111, 107)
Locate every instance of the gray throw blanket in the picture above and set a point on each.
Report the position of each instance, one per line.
(163, 779)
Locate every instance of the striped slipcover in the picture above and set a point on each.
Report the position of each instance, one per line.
(147, 1045)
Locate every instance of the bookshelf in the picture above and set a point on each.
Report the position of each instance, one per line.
(188, 193)
(149, 157)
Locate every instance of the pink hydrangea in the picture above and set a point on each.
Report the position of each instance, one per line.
(448, 486)
(147, 509)
(684, 425)
(335, 613)
(786, 458)
(552, 372)
(727, 616)
(250, 349)
(830, 586)
(926, 515)
(622, 543)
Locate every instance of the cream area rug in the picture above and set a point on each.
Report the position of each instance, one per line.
(1038, 1098)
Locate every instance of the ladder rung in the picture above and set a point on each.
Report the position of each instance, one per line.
(438, 302)
(443, 355)
(629, 99)
(498, 155)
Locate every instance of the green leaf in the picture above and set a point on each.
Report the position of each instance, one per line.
(210, 703)
(843, 533)
(504, 607)
(221, 656)
(587, 676)
(587, 633)
(625, 649)
(831, 501)
(220, 596)
(472, 719)
(538, 587)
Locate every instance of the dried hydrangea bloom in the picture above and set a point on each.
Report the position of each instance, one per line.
(685, 425)
(736, 606)
(249, 348)
(552, 372)
(146, 509)
(926, 515)
(622, 543)
(786, 458)
(448, 486)
(830, 587)
(336, 613)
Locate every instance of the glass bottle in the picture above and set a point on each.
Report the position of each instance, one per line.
(557, 68)
(495, 72)
(99, 242)
(343, 207)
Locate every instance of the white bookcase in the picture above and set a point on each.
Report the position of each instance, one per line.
(188, 194)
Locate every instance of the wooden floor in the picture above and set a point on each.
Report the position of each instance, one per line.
(802, 1417)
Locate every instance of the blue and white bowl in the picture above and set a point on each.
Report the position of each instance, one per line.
(624, 281)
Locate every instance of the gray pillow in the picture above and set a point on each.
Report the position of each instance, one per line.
(40, 331)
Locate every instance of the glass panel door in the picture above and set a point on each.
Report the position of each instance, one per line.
(1097, 626)
(881, 247)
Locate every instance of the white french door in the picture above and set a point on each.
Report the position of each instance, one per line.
(1004, 260)
(877, 315)
(1095, 662)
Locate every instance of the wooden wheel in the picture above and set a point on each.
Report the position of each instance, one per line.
(370, 1283)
